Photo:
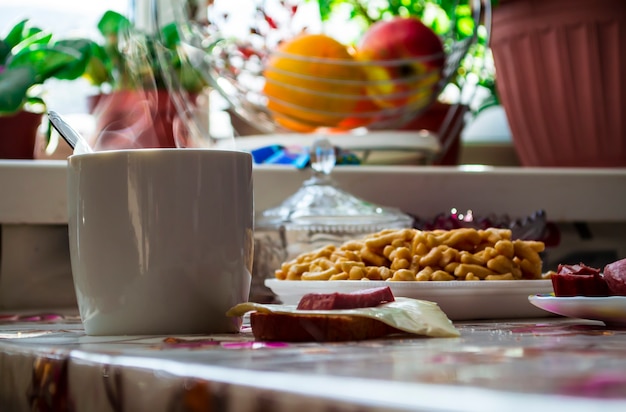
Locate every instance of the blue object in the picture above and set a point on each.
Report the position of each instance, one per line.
(261, 154)
(296, 156)
(287, 157)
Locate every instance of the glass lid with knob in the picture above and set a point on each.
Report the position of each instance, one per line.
(319, 205)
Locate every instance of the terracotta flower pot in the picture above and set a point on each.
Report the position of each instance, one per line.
(18, 133)
(561, 74)
(129, 119)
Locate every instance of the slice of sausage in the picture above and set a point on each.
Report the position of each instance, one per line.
(579, 280)
(615, 276)
(366, 298)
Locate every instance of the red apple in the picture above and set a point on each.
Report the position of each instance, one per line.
(404, 62)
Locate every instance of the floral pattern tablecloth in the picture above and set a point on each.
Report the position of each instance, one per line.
(47, 363)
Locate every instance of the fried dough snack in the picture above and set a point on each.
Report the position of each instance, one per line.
(415, 255)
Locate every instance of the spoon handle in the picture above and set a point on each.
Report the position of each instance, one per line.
(71, 136)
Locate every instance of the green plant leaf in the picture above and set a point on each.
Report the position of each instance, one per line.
(35, 104)
(70, 64)
(30, 56)
(108, 56)
(99, 68)
(465, 26)
(47, 61)
(80, 48)
(5, 51)
(111, 23)
(169, 36)
(325, 8)
(17, 33)
(464, 10)
(191, 79)
(14, 85)
(83, 46)
(37, 37)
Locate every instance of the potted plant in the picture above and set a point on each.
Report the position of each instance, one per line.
(135, 73)
(561, 80)
(29, 56)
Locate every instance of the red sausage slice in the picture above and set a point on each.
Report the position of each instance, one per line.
(366, 298)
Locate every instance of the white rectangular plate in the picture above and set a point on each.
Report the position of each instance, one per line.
(460, 300)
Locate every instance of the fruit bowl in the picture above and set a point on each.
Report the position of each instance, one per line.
(303, 102)
(277, 87)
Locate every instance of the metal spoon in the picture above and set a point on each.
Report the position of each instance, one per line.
(76, 141)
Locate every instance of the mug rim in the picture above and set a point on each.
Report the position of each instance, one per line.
(107, 153)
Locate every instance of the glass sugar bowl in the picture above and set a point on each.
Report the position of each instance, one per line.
(318, 214)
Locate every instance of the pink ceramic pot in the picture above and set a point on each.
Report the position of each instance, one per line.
(562, 80)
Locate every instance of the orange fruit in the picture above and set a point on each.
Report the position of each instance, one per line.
(312, 81)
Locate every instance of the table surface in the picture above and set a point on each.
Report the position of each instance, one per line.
(48, 363)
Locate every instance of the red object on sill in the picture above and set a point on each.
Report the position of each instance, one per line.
(18, 133)
(446, 120)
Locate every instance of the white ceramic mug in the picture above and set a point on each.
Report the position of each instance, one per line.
(161, 240)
